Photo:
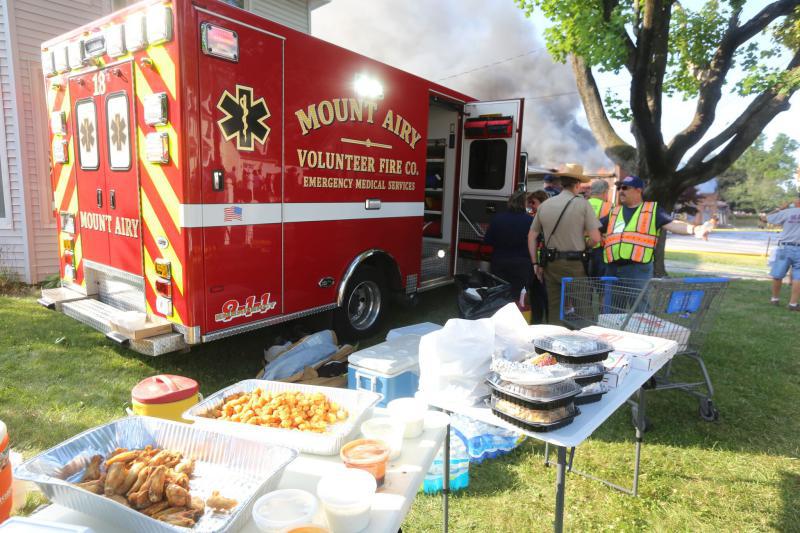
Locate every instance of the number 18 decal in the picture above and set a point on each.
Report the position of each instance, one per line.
(99, 80)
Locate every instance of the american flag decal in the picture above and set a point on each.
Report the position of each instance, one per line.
(232, 213)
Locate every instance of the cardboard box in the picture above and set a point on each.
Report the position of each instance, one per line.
(647, 324)
(643, 351)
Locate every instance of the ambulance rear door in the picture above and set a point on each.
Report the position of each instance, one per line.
(490, 161)
(241, 123)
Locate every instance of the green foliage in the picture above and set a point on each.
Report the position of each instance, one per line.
(579, 28)
(761, 179)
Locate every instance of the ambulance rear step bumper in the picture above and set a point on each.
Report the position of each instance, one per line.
(56, 297)
(97, 314)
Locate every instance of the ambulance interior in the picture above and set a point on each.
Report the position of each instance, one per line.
(458, 211)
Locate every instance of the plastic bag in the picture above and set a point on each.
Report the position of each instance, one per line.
(307, 352)
(454, 361)
(511, 334)
(494, 293)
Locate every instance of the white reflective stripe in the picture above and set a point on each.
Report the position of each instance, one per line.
(210, 215)
(349, 210)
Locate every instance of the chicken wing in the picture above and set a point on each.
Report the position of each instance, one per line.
(124, 457)
(115, 478)
(156, 483)
(220, 503)
(96, 486)
(177, 496)
(185, 467)
(131, 477)
(144, 473)
(120, 499)
(93, 469)
(155, 508)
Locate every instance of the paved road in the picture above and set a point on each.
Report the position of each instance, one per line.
(743, 242)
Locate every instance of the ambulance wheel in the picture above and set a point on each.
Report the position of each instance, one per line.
(364, 305)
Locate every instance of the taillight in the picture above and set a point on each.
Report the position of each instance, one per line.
(164, 287)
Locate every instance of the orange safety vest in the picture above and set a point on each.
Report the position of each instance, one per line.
(634, 241)
(601, 209)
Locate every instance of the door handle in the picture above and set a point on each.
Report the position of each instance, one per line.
(218, 178)
(112, 199)
(99, 197)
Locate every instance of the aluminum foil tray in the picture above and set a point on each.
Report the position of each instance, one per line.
(238, 468)
(357, 403)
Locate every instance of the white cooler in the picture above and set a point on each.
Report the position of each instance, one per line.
(390, 368)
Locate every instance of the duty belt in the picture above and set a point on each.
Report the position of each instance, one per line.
(570, 256)
(789, 244)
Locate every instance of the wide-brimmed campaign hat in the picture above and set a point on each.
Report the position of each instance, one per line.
(573, 170)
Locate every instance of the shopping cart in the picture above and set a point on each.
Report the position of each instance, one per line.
(681, 309)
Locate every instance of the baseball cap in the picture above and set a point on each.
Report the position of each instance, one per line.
(632, 181)
(549, 177)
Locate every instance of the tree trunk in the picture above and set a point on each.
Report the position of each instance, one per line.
(659, 259)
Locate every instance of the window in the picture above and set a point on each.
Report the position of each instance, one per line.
(487, 164)
(118, 132)
(86, 127)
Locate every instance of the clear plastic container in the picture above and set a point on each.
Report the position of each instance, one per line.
(369, 455)
(388, 430)
(411, 411)
(549, 393)
(346, 498)
(307, 528)
(533, 416)
(284, 509)
(577, 345)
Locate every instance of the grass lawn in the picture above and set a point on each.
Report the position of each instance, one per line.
(58, 377)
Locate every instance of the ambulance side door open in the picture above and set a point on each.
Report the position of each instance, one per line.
(490, 160)
(241, 114)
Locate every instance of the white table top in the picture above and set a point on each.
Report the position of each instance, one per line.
(591, 417)
(404, 477)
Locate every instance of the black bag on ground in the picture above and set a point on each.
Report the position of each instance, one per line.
(494, 293)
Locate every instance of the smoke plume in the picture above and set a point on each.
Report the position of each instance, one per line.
(466, 45)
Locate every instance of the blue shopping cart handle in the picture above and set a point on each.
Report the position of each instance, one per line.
(705, 280)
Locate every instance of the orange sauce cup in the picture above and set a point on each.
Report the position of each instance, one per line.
(370, 455)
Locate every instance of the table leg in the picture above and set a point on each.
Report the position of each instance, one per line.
(640, 424)
(558, 525)
(446, 481)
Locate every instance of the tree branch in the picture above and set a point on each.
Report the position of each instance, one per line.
(713, 78)
(739, 135)
(756, 107)
(630, 59)
(612, 144)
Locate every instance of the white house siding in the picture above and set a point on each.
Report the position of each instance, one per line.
(292, 13)
(30, 245)
(12, 239)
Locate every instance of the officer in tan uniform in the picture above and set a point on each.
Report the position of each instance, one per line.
(568, 225)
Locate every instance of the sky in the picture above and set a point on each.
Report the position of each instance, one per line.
(489, 50)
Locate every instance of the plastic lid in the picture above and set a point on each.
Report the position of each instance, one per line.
(347, 488)
(3, 436)
(285, 508)
(572, 344)
(164, 388)
(391, 357)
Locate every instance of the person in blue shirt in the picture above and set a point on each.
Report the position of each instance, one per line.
(508, 236)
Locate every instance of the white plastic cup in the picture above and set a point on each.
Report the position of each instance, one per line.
(284, 509)
(346, 498)
(389, 430)
(411, 412)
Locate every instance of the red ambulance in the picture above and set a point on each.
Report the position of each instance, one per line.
(220, 172)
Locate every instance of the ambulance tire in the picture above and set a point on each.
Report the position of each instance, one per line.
(364, 305)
